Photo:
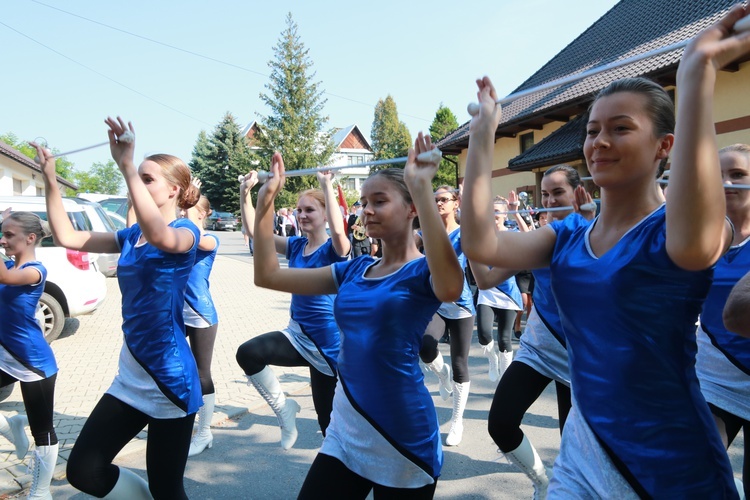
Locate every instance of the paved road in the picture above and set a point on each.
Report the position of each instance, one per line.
(246, 461)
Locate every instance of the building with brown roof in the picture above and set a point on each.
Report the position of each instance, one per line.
(20, 176)
(546, 128)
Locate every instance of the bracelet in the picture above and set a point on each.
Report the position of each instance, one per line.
(514, 204)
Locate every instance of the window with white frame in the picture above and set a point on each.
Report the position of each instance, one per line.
(17, 187)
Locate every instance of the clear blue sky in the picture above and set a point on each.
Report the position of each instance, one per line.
(422, 53)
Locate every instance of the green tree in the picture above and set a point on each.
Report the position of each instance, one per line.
(295, 126)
(100, 178)
(390, 137)
(444, 123)
(63, 166)
(218, 160)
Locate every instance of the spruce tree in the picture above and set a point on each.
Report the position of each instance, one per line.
(295, 126)
(444, 123)
(218, 160)
(390, 137)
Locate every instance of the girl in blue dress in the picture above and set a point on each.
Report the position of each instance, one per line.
(723, 361)
(157, 382)
(384, 433)
(312, 337)
(458, 318)
(541, 356)
(202, 322)
(629, 286)
(24, 354)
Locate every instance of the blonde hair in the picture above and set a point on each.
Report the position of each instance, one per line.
(315, 194)
(31, 223)
(177, 174)
(736, 148)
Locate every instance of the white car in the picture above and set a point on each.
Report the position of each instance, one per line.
(100, 222)
(74, 284)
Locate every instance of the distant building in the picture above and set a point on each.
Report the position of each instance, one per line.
(350, 147)
(546, 128)
(21, 176)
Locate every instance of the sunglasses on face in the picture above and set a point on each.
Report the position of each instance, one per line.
(444, 199)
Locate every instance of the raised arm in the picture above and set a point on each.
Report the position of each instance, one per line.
(268, 273)
(339, 238)
(247, 211)
(697, 234)
(508, 249)
(63, 231)
(488, 277)
(152, 223)
(446, 272)
(737, 308)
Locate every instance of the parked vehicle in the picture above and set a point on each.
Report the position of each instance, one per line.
(110, 203)
(100, 222)
(117, 220)
(222, 221)
(74, 284)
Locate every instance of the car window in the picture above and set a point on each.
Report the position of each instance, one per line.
(105, 218)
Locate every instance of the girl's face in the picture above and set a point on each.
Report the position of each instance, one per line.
(735, 169)
(446, 202)
(500, 215)
(310, 214)
(384, 210)
(161, 191)
(14, 241)
(556, 192)
(620, 146)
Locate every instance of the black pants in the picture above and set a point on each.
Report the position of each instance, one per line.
(461, 331)
(274, 348)
(109, 428)
(519, 387)
(202, 342)
(729, 426)
(39, 400)
(486, 315)
(329, 478)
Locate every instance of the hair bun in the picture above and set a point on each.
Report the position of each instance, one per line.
(189, 197)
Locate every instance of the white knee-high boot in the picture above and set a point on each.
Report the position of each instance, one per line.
(42, 467)
(13, 430)
(460, 397)
(527, 459)
(506, 358)
(129, 486)
(493, 355)
(203, 438)
(285, 409)
(443, 372)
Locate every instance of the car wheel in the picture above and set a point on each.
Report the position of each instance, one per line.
(51, 317)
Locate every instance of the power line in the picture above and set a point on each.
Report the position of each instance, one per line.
(202, 56)
(105, 76)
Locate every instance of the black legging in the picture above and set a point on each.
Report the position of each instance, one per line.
(461, 331)
(519, 387)
(202, 344)
(109, 428)
(328, 477)
(39, 400)
(274, 348)
(729, 430)
(486, 315)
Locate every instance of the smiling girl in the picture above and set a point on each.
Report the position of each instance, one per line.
(24, 354)
(312, 337)
(629, 286)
